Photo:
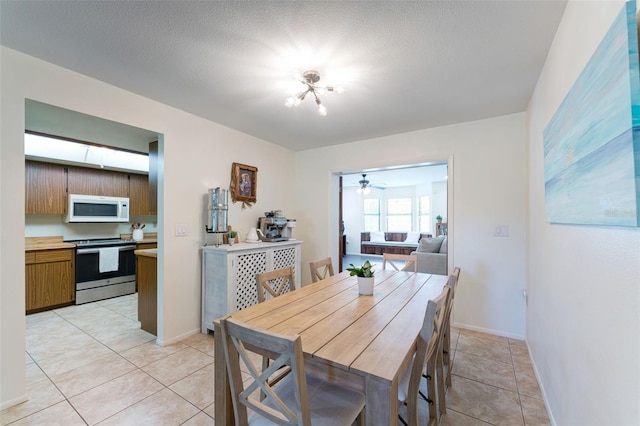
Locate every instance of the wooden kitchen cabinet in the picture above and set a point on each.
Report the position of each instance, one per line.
(153, 177)
(49, 279)
(45, 188)
(106, 183)
(146, 246)
(139, 195)
(147, 281)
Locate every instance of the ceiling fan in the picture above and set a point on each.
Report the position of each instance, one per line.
(364, 185)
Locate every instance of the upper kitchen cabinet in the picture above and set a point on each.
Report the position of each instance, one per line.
(106, 183)
(45, 188)
(153, 177)
(139, 195)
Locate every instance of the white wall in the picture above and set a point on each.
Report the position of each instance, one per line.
(197, 156)
(488, 187)
(583, 316)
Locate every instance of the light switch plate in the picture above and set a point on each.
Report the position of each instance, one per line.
(181, 230)
(501, 231)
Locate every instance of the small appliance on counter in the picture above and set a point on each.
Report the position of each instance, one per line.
(217, 216)
(273, 226)
(288, 231)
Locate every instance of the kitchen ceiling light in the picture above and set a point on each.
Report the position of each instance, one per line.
(309, 79)
(365, 186)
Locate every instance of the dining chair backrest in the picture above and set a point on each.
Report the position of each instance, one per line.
(410, 260)
(321, 269)
(297, 399)
(237, 337)
(456, 274)
(426, 356)
(275, 283)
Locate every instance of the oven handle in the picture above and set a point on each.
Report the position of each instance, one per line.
(97, 250)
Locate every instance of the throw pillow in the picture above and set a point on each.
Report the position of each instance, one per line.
(443, 247)
(412, 238)
(376, 237)
(430, 245)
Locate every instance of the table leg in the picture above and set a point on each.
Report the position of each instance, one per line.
(381, 402)
(222, 391)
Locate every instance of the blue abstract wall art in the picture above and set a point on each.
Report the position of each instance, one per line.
(592, 143)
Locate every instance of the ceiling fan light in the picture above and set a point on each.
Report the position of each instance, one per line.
(290, 102)
(322, 110)
(367, 190)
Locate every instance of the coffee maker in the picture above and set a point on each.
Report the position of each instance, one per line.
(272, 227)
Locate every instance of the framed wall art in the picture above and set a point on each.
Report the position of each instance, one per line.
(592, 143)
(244, 181)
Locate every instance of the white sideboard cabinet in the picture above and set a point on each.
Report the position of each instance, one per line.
(229, 274)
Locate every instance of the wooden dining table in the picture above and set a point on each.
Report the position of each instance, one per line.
(360, 342)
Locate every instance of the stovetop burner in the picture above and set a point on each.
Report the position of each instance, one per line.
(102, 242)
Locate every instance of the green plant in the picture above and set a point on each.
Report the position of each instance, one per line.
(232, 234)
(366, 270)
(439, 218)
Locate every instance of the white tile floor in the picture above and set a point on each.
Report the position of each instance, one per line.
(91, 364)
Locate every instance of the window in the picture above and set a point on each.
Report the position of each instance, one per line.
(75, 152)
(424, 214)
(399, 214)
(371, 210)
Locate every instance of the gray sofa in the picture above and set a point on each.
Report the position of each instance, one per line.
(432, 255)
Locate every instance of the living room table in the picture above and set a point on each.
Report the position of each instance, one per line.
(360, 342)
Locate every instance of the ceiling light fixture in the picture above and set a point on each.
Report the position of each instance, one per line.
(365, 186)
(309, 79)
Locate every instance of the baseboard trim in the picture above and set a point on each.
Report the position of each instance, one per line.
(552, 420)
(178, 338)
(15, 401)
(489, 331)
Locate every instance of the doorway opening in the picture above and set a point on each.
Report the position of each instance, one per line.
(400, 204)
(110, 322)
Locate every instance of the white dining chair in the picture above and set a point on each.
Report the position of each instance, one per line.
(298, 399)
(275, 283)
(409, 259)
(444, 365)
(321, 269)
(426, 357)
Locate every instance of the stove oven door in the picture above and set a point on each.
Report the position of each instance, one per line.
(92, 285)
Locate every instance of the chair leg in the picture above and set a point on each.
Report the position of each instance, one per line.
(440, 382)
(432, 391)
(446, 352)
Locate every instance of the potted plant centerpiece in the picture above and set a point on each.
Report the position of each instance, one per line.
(364, 275)
(439, 219)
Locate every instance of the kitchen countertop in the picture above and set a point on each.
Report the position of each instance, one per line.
(151, 237)
(46, 243)
(147, 252)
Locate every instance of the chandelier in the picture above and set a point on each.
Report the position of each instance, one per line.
(309, 79)
(365, 186)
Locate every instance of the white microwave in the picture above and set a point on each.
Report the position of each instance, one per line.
(94, 208)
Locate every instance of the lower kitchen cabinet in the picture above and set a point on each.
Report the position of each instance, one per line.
(147, 280)
(229, 274)
(49, 279)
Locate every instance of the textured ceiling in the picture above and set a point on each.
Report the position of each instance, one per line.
(405, 65)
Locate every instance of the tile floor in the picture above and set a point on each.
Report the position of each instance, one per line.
(91, 364)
